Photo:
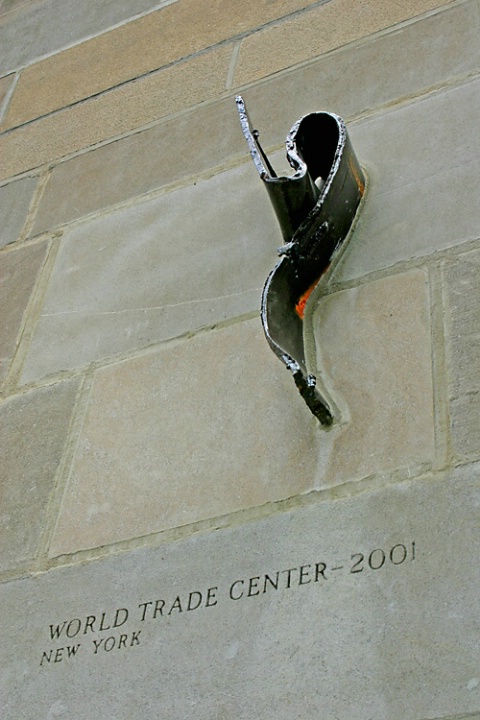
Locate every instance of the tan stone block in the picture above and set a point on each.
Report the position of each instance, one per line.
(143, 45)
(200, 429)
(320, 30)
(18, 272)
(33, 431)
(114, 113)
(373, 348)
(462, 280)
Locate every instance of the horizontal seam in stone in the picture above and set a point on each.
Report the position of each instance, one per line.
(345, 491)
(150, 309)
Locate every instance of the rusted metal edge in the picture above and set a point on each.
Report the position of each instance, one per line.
(316, 208)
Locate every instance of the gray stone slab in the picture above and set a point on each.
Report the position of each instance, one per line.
(39, 28)
(7, 6)
(421, 160)
(375, 616)
(462, 280)
(18, 274)
(15, 200)
(429, 52)
(33, 430)
(187, 259)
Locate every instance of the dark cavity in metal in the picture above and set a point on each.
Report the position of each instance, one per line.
(315, 207)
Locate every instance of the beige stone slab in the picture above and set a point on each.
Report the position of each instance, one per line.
(32, 30)
(33, 431)
(421, 160)
(461, 279)
(185, 260)
(430, 52)
(15, 199)
(165, 36)
(374, 352)
(114, 113)
(18, 272)
(318, 31)
(396, 642)
(207, 427)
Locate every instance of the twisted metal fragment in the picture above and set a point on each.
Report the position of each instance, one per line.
(316, 207)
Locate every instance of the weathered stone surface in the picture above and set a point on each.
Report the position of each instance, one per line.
(421, 160)
(9, 5)
(206, 427)
(172, 33)
(462, 280)
(318, 31)
(33, 430)
(349, 82)
(36, 29)
(116, 112)
(163, 154)
(15, 200)
(374, 350)
(5, 85)
(18, 273)
(398, 641)
(185, 260)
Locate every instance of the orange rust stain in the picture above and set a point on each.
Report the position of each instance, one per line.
(358, 179)
(300, 306)
(302, 301)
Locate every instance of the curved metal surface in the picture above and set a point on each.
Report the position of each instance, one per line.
(315, 207)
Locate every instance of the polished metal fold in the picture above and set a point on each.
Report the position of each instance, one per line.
(316, 208)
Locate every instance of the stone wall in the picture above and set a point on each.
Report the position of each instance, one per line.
(180, 538)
